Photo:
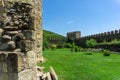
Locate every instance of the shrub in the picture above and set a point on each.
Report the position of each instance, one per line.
(68, 45)
(62, 45)
(106, 53)
(88, 53)
(72, 47)
(81, 49)
(91, 43)
(76, 49)
(53, 47)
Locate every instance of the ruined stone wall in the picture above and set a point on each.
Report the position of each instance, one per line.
(21, 40)
(37, 13)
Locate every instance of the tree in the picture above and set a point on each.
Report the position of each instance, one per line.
(45, 43)
(91, 43)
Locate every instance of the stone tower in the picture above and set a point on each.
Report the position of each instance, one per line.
(73, 35)
(20, 39)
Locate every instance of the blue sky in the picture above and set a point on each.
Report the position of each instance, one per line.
(88, 16)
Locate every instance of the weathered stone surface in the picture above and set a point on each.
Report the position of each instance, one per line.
(31, 59)
(11, 45)
(26, 45)
(40, 68)
(48, 76)
(53, 74)
(3, 67)
(26, 75)
(4, 76)
(9, 28)
(13, 76)
(6, 37)
(23, 31)
(7, 46)
(11, 33)
(44, 76)
(17, 50)
(21, 63)
(29, 34)
(4, 47)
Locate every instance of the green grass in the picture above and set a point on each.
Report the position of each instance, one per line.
(78, 66)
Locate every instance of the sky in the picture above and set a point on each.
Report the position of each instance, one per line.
(88, 16)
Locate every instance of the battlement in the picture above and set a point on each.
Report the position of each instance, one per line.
(100, 37)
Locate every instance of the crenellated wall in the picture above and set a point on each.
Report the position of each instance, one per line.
(100, 37)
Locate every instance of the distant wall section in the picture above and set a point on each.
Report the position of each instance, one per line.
(71, 36)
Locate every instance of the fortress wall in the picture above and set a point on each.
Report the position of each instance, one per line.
(100, 37)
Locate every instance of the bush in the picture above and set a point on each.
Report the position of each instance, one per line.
(62, 45)
(76, 49)
(53, 47)
(73, 47)
(106, 53)
(81, 49)
(88, 53)
(68, 45)
(91, 43)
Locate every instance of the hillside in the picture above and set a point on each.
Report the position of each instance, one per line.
(49, 34)
(50, 38)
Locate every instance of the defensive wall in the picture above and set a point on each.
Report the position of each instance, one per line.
(100, 38)
(71, 36)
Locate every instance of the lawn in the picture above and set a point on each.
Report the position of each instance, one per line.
(78, 66)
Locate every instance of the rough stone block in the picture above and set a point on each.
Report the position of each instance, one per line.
(3, 67)
(13, 76)
(6, 37)
(11, 33)
(9, 28)
(53, 74)
(29, 34)
(26, 45)
(11, 45)
(3, 46)
(31, 59)
(24, 75)
(4, 76)
(48, 76)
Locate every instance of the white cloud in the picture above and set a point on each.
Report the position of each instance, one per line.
(70, 22)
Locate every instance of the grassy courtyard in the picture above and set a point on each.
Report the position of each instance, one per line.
(78, 66)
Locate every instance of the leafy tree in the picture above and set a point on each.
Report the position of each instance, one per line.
(91, 43)
(45, 43)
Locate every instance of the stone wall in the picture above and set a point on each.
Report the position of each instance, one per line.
(100, 37)
(37, 13)
(71, 36)
(21, 41)
(22, 31)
